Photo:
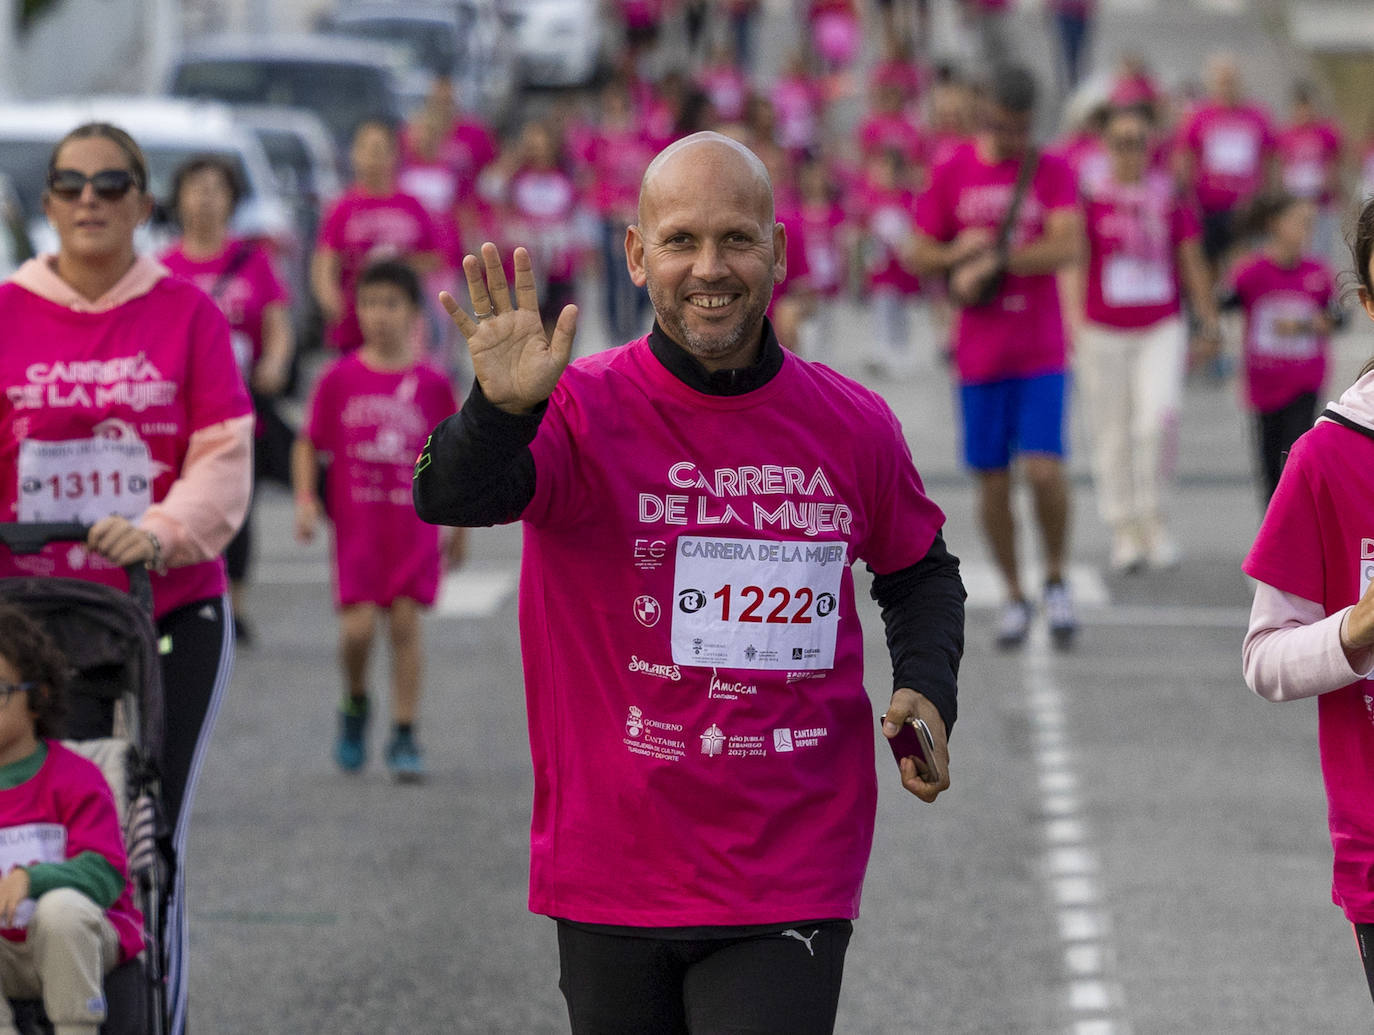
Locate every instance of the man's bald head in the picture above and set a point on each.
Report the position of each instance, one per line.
(700, 160)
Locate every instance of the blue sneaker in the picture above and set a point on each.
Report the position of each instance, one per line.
(350, 750)
(404, 758)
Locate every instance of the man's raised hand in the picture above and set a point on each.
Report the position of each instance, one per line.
(516, 364)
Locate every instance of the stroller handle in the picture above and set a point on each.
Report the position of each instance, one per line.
(29, 537)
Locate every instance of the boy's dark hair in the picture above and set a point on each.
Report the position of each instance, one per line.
(1259, 215)
(199, 163)
(31, 652)
(390, 271)
(1012, 87)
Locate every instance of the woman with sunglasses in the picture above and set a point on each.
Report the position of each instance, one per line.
(1131, 341)
(122, 408)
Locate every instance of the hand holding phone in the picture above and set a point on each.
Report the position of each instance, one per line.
(914, 740)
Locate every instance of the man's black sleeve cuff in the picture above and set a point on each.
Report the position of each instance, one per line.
(923, 617)
(476, 468)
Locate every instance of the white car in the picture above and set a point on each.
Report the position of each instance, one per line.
(560, 42)
(169, 132)
(464, 39)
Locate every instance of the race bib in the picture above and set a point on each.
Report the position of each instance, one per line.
(1304, 179)
(1231, 151)
(1275, 333)
(84, 480)
(752, 603)
(25, 845)
(1129, 281)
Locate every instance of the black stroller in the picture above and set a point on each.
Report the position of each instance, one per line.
(115, 718)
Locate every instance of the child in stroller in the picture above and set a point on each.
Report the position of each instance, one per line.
(67, 916)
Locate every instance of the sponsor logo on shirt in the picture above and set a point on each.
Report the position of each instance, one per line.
(652, 738)
(713, 741)
(671, 672)
(649, 554)
(725, 691)
(785, 740)
(647, 611)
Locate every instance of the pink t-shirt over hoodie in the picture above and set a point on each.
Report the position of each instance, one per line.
(701, 737)
(101, 413)
(1020, 333)
(1281, 365)
(1317, 543)
(374, 423)
(63, 810)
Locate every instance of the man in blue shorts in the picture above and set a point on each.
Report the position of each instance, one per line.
(1000, 220)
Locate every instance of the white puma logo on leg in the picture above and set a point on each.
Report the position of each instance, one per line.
(792, 932)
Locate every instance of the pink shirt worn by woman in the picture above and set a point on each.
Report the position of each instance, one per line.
(129, 404)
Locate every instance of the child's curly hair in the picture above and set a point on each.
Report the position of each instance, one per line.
(32, 653)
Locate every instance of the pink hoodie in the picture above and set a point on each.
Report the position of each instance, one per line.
(208, 500)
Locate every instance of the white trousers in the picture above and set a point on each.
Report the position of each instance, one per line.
(71, 946)
(1132, 384)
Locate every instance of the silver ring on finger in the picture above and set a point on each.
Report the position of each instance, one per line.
(479, 317)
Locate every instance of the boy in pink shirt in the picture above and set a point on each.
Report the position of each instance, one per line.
(67, 916)
(1009, 349)
(369, 414)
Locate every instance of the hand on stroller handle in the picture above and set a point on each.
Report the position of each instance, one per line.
(114, 538)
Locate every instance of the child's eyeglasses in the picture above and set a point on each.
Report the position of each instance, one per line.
(9, 689)
(109, 184)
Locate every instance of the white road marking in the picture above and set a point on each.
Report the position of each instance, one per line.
(473, 594)
(1093, 996)
(984, 586)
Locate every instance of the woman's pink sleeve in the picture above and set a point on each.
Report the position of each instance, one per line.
(206, 505)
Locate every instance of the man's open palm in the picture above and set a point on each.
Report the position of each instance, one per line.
(516, 364)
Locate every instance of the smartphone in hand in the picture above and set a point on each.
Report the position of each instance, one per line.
(914, 740)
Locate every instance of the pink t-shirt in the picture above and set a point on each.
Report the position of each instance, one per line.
(1087, 158)
(797, 105)
(822, 228)
(1316, 542)
(372, 424)
(727, 89)
(1229, 147)
(886, 131)
(1309, 159)
(364, 228)
(1133, 232)
(701, 737)
(1280, 363)
(435, 184)
(618, 158)
(887, 218)
(242, 296)
(542, 214)
(97, 412)
(1021, 332)
(64, 809)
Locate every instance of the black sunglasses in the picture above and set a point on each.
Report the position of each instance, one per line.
(109, 184)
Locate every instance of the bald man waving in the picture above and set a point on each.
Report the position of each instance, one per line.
(693, 501)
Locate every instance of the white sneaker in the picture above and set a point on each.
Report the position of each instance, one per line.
(1128, 552)
(1161, 552)
(1014, 624)
(1059, 611)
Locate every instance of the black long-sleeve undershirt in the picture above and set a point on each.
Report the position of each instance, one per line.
(477, 470)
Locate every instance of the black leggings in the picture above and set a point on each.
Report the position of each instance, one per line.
(787, 983)
(1364, 938)
(198, 654)
(1275, 433)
